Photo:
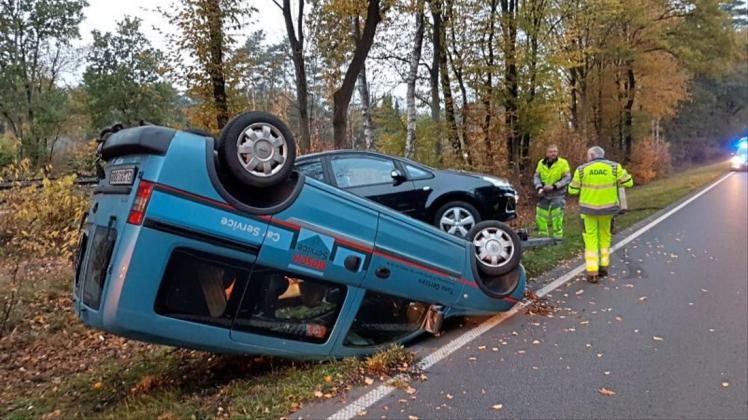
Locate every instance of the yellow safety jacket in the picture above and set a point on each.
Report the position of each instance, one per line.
(556, 174)
(596, 182)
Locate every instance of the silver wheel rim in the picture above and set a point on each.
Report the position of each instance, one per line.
(493, 247)
(457, 221)
(262, 149)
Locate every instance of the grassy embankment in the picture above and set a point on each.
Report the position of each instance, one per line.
(52, 366)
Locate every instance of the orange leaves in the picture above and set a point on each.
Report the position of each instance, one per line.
(606, 392)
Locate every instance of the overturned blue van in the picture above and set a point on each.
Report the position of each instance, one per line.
(218, 245)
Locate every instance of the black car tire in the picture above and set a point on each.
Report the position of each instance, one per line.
(454, 206)
(268, 155)
(497, 237)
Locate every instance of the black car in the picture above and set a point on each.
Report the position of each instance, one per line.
(453, 201)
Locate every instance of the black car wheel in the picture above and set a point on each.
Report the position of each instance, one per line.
(496, 247)
(258, 149)
(457, 218)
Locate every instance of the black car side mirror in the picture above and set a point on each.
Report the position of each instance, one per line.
(397, 177)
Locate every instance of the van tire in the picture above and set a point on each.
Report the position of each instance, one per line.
(258, 149)
(493, 238)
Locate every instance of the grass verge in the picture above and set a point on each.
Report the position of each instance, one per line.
(53, 367)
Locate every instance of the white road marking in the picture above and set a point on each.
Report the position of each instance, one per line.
(370, 398)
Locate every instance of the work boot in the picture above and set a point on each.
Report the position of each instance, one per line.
(603, 272)
(592, 277)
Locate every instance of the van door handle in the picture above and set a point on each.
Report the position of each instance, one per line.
(352, 263)
(382, 272)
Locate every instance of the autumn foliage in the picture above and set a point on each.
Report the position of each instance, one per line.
(650, 160)
(38, 222)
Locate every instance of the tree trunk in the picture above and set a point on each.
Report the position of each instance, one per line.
(537, 8)
(574, 100)
(458, 71)
(488, 84)
(449, 107)
(627, 111)
(599, 107)
(215, 69)
(415, 59)
(434, 70)
(511, 89)
(363, 93)
(342, 96)
(297, 56)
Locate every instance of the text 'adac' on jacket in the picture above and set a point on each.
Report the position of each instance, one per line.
(596, 182)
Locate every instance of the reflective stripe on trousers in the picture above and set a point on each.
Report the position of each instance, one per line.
(597, 238)
(549, 216)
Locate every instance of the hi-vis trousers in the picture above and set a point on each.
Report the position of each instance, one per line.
(549, 217)
(597, 236)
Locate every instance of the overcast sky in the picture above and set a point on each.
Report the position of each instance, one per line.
(103, 15)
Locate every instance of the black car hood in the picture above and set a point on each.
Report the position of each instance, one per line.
(477, 175)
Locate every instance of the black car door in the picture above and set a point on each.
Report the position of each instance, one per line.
(371, 177)
(423, 187)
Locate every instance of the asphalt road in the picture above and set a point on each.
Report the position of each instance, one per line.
(666, 332)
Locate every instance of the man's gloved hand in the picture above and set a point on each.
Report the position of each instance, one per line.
(547, 188)
(540, 191)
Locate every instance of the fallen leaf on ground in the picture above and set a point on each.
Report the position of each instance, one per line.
(725, 384)
(328, 379)
(450, 396)
(368, 381)
(642, 299)
(580, 291)
(97, 385)
(536, 342)
(656, 338)
(607, 392)
(412, 418)
(318, 394)
(498, 406)
(362, 413)
(410, 390)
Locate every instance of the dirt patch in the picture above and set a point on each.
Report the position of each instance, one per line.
(538, 305)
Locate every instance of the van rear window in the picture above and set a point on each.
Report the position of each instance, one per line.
(98, 262)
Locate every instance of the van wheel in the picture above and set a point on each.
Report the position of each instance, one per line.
(496, 247)
(258, 149)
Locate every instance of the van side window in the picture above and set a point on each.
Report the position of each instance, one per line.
(201, 288)
(287, 305)
(384, 319)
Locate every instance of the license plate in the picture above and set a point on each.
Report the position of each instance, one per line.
(122, 176)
